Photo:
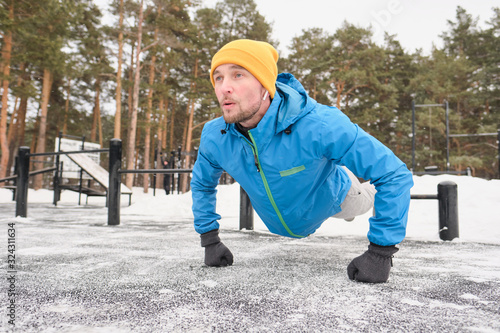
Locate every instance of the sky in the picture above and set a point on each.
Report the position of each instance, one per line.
(417, 24)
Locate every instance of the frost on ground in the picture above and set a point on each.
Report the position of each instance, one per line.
(76, 274)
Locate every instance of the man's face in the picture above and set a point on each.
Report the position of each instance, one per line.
(240, 95)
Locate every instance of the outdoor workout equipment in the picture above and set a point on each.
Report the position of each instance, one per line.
(115, 171)
(23, 175)
(413, 145)
(86, 164)
(448, 209)
(448, 136)
(483, 134)
(447, 196)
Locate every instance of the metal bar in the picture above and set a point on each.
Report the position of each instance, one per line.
(55, 178)
(104, 150)
(246, 211)
(37, 172)
(163, 171)
(6, 179)
(413, 135)
(22, 182)
(426, 105)
(424, 196)
(440, 173)
(471, 135)
(179, 149)
(447, 138)
(71, 136)
(114, 188)
(448, 210)
(168, 171)
(498, 144)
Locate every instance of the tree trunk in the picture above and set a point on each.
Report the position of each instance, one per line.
(17, 119)
(42, 132)
(96, 113)
(340, 90)
(21, 114)
(99, 122)
(162, 110)
(12, 134)
(159, 165)
(164, 125)
(6, 55)
(189, 135)
(172, 121)
(23, 106)
(135, 103)
(118, 112)
(34, 131)
(66, 107)
(130, 103)
(147, 137)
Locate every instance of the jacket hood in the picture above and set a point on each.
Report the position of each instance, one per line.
(294, 103)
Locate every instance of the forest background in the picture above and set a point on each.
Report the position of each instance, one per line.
(60, 62)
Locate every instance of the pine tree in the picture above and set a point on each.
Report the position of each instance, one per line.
(309, 62)
(46, 32)
(7, 23)
(241, 19)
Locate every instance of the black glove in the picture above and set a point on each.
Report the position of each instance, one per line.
(216, 253)
(374, 265)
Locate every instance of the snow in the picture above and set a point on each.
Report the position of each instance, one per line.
(478, 221)
(76, 274)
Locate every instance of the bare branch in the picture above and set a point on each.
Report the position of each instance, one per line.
(149, 46)
(202, 123)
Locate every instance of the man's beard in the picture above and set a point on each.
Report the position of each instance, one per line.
(241, 115)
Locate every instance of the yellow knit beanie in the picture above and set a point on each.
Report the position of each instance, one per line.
(259, 58)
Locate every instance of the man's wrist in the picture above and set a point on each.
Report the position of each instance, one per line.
(384, 251)
(209, 238)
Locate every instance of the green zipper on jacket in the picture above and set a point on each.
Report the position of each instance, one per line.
(266, 185)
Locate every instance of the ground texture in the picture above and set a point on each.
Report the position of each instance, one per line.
(76, 274)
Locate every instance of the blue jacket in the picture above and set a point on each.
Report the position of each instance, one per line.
(290, 168)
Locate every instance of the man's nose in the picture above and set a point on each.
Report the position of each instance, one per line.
(226, 86)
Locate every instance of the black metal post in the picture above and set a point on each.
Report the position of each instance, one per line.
(57, 191)
(115, 161)
(154, 174)
(80, 186)
(246, 211)
(172, 178)
(448, 210)
(23, 182)
(498, 145)
(413, 136)
(447, 138)
(178, 167)
(16, 167)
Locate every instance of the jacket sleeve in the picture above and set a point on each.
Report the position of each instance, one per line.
(369, 159)
(205, 178)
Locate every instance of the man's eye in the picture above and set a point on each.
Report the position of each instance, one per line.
(217, 78)
(238, 75)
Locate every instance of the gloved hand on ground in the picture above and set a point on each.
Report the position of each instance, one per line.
(374, 265)
(216, 253)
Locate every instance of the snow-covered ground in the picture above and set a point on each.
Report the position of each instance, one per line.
(75, 274)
